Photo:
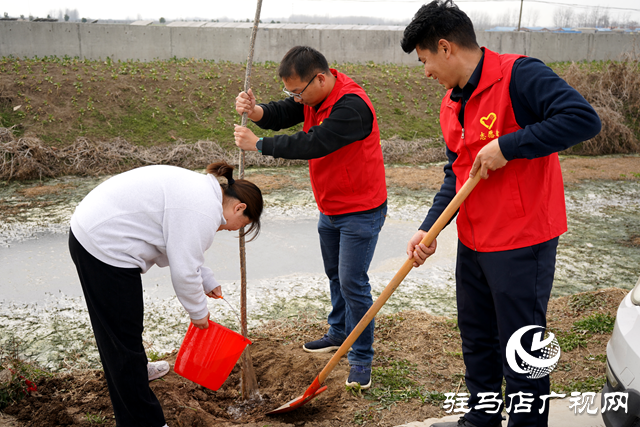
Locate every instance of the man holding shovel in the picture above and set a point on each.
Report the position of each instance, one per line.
(504, 117)
(341, 141)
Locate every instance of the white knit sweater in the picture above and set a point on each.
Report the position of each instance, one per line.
(161, 215)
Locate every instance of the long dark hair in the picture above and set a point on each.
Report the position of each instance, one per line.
(244, 191)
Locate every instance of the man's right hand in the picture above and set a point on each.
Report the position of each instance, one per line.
(419, 252)
(246, 103)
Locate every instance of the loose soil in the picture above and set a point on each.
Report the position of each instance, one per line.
(428, 346)
(574, 170)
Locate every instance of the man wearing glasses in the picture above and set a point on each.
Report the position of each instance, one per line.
(341, 141)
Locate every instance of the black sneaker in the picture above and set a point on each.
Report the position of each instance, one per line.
(359, 375)
(323, 345)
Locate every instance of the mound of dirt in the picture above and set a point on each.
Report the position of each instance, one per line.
(428, 345)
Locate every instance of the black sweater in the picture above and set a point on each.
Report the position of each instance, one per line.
(350, 120)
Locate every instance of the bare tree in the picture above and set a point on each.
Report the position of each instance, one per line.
(531, 17)
(481, 20)
(594, 17)
(624, 22)
(509, 18)
(603, 19)
(73, 14)
(563, 17)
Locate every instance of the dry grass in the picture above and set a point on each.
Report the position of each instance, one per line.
(415, 350)
(73, 117)
(614, 92)
(612, 88)
(30, 158)
(396, 150)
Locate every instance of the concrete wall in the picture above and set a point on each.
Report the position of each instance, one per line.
(230, 42)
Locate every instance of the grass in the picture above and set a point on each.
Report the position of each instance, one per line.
(584, 301)
(593, 384)
(391, 384)
(602, 358)
(96, 418)
(581, 330)
(61, 99)
(153, 355)
(598, 323)
(18, 376)
(569, 340)
(72, 116)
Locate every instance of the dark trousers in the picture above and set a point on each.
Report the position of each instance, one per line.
(115, 304)
(497, 294)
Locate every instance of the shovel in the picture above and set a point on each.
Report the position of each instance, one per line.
(316, 386)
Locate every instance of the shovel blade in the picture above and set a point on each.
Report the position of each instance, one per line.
(313, 390)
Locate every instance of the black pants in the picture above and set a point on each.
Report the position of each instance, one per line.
(497, 294)
(115, 304)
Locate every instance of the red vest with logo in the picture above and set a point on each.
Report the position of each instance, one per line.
(521, 204)
(350, 179)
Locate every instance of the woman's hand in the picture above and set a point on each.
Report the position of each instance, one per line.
(216, 293)
(201, 323)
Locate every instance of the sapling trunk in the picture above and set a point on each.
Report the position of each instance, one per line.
(249, 381)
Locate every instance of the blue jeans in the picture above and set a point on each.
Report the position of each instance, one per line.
(347, 244)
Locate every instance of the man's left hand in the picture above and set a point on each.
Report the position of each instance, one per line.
(245, 139)
(489, 158)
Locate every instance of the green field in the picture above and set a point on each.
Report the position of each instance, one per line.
(58, 100)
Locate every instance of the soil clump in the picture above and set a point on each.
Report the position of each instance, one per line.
(418, 357)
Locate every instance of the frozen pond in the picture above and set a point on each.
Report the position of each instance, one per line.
(40, 296)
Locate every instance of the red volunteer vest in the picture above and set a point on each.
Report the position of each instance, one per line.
(521, 204)
(350, 179)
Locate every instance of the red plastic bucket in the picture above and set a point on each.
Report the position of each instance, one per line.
(207, 356)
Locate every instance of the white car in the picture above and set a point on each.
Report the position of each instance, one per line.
(623, 364)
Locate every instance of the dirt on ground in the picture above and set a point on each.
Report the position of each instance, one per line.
(418, 356)
(574, 170)
(418, 350)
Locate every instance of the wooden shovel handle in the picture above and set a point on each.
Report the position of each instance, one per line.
(399, 277)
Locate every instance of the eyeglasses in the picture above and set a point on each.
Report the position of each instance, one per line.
(299, 95)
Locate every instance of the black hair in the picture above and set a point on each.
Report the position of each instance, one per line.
(244, 191)
(302, 61)
(435, 21)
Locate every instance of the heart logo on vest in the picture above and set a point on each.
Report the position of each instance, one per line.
(489, 120)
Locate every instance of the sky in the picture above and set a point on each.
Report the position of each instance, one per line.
(538, 12)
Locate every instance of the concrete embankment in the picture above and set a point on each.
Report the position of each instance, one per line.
(230, 42)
